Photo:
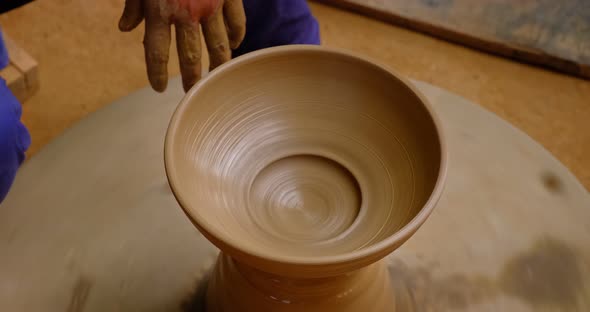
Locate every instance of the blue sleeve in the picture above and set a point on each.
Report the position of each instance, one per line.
(14, 138)
(4, 60)
(272, 23)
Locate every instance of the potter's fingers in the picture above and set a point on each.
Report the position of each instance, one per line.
(188, 44)
(235, 18)
(216, 39)
(157, 46)
(132, 15)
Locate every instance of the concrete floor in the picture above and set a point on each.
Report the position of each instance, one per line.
(86, 63)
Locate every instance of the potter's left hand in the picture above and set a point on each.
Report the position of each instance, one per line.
(223, 23)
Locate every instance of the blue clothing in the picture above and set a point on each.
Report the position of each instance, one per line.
(3, 52)
(14, 138)
(277, 22)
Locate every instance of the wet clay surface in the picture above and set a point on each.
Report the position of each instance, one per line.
(304, 177)
(306, 198)
(292, 177)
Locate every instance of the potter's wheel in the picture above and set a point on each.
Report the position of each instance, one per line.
(91, 224)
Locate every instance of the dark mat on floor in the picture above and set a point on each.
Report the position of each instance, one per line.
(549, 33)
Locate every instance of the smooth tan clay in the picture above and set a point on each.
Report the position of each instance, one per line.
(305, 166)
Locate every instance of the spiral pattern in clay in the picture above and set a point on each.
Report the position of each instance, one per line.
(302, 155)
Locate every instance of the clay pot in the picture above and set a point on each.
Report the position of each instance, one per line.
(305, 166)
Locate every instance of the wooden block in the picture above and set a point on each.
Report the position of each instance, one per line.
(21, 75)
(15, 80)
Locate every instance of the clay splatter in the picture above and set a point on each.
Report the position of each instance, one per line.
(80, 294)
(418, 290)
(552, 182)
(195, 302)
(549, 274)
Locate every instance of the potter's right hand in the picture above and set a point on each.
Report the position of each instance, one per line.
(223, 23)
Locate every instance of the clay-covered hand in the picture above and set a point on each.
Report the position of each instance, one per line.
(223, 23)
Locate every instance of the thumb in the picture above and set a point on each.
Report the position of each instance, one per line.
(132, 15)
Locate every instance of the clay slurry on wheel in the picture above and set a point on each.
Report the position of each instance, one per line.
(548, 276)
